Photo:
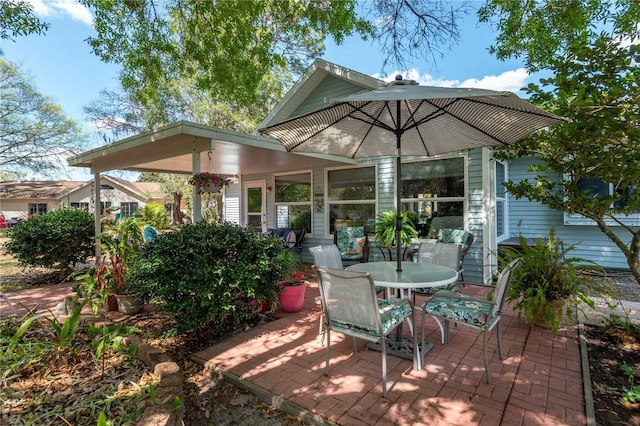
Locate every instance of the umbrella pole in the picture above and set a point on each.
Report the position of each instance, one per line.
(398, 190)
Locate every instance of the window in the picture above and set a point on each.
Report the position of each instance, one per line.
(82, 206)
(104, 205)
(37, 208)
(129, 209)
(293, 201)
(598, 188)
(434, 188)
(501, 201)
(351, 195)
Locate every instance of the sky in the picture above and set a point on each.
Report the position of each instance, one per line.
(62, 66)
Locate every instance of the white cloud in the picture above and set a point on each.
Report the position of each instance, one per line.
(511, 81)
(62, 9)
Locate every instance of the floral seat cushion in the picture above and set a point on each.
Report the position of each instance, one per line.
(350, 241)
(390, 316)
(462, 310)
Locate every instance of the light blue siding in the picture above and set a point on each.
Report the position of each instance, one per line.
(330, 88)
(533, 219)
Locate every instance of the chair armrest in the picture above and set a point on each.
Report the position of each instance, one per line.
(459, 297)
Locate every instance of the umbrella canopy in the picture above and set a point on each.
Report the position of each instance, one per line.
(404, 118)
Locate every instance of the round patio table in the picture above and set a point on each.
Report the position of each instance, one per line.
(413, 275)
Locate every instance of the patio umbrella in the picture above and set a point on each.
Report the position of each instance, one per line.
(404, 118)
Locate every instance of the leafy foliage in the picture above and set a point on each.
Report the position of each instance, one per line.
(17, 19)
(385, 229)
(546, 284)
(208, 274)
(60, 238)
(34, 133)
(154, 214)
(589, 49)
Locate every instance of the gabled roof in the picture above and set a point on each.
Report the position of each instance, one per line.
(37, 189)
(318, 72)
(59, 189)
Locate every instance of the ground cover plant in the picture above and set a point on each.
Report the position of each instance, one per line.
(209, 400)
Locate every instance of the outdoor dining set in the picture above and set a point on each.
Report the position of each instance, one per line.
(370, 300)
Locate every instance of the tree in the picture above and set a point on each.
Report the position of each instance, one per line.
(34, 133)
(17, 19)
(589, 165)
(229, 46)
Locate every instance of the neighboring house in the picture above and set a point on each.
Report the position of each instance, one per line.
(457, 190)
(19, 200)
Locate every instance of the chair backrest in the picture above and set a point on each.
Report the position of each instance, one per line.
(440, 253)
(502, 285)
(349, 297)
(461, 237)
(326, 256)
(350, 241)
(149, 233)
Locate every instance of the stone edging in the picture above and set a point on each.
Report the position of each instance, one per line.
(168, 391)
(586, 377)
(276, 401)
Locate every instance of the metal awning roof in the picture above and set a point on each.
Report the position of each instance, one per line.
(169, 149)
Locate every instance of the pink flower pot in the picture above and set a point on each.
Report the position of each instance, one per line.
(292, 298)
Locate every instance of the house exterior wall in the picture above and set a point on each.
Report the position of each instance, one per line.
(533, 219)
(330, 88)
(19, 208)
(474, 214)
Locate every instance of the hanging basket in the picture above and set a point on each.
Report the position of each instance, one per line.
(211, 188)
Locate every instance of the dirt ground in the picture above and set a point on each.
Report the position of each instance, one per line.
(209, 400)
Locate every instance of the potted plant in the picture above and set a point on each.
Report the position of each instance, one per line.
(291, 285)
(209, 182)
(121, 244)
(547, 285)
(384, 229)
(292, 293)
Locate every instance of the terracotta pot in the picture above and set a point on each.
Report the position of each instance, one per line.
(128, 304)
(292, 298)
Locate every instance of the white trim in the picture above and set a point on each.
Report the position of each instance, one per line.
(489, 246)
(309, 233)
(244, 217)
(327, 219)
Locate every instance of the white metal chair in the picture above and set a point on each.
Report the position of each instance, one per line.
(328, 256)
(443, 254)
(351, 307)
(480, 314)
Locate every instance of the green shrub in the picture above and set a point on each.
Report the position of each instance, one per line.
(58, 238)
(154, 214)
(209, 274)
(546, 286)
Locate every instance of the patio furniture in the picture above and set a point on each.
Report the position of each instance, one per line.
(479, 314)
(351, 307)
(328, 256)
(353, 244)
(291, 238)
(461, 237)
(413, 275)
(149, 233)
(443, 254)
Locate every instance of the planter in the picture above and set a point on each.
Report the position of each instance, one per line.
(112, 303)
(292, 297)
(211, 188)
(128, 304)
